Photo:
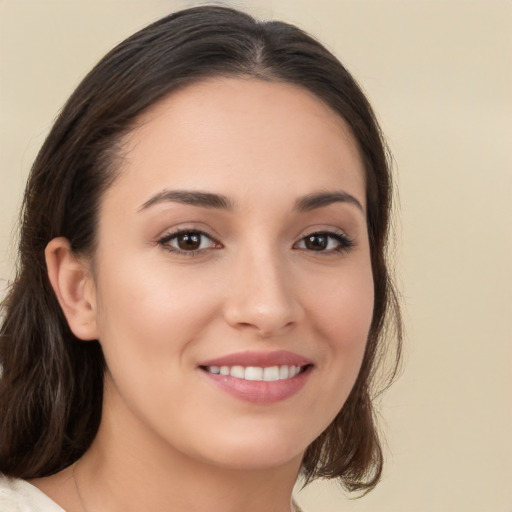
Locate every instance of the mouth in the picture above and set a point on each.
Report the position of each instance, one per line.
(258, 377)
(257, 373)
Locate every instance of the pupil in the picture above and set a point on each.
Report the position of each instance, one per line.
(316, 242)
(189, 241)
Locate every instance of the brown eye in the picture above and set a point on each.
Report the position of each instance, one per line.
(317, 242)
(187, 241)
(325, 241)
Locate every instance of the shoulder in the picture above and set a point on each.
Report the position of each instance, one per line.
(20, 496)
(296, 507)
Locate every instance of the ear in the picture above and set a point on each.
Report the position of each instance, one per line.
(73, 285)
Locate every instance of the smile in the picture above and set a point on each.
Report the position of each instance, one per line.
(259, 377)
(256, 373)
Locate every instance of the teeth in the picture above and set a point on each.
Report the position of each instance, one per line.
(271, 373)
(268, 374)
(238, 372)
(252, 373)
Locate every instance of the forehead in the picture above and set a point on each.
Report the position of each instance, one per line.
(242, 134)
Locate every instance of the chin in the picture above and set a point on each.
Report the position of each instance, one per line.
(259, 453)
(259, 460)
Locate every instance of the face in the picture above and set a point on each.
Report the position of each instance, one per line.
(232, 285)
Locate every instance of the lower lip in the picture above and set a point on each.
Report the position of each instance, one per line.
(260, 392)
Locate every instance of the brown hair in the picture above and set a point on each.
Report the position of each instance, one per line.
(51, 385)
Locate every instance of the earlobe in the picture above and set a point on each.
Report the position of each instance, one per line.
(72, 283)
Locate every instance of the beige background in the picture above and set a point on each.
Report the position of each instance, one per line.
(439, 74)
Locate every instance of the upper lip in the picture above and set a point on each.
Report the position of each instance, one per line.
(259, 359)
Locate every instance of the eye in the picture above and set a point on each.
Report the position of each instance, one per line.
(325, 241)
(188, 241)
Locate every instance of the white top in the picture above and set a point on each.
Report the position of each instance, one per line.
(20, 496)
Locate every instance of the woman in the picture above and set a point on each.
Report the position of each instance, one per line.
(202, 288)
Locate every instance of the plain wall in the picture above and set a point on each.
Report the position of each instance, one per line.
(439, 74)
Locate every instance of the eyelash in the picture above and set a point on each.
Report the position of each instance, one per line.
(165, 242)
(344, 242)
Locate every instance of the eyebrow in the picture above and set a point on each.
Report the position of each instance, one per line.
(193, 198)
(219, 201)
(321, 199)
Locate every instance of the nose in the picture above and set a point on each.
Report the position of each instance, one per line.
(262, 296)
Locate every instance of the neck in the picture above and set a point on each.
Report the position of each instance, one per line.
(109, 483)
(132, 472)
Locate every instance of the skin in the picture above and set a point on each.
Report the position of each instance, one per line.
(254, 284)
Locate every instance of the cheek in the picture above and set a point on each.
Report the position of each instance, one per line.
(152, 312)
(343, 306)
(343, 311)
(147, 326)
